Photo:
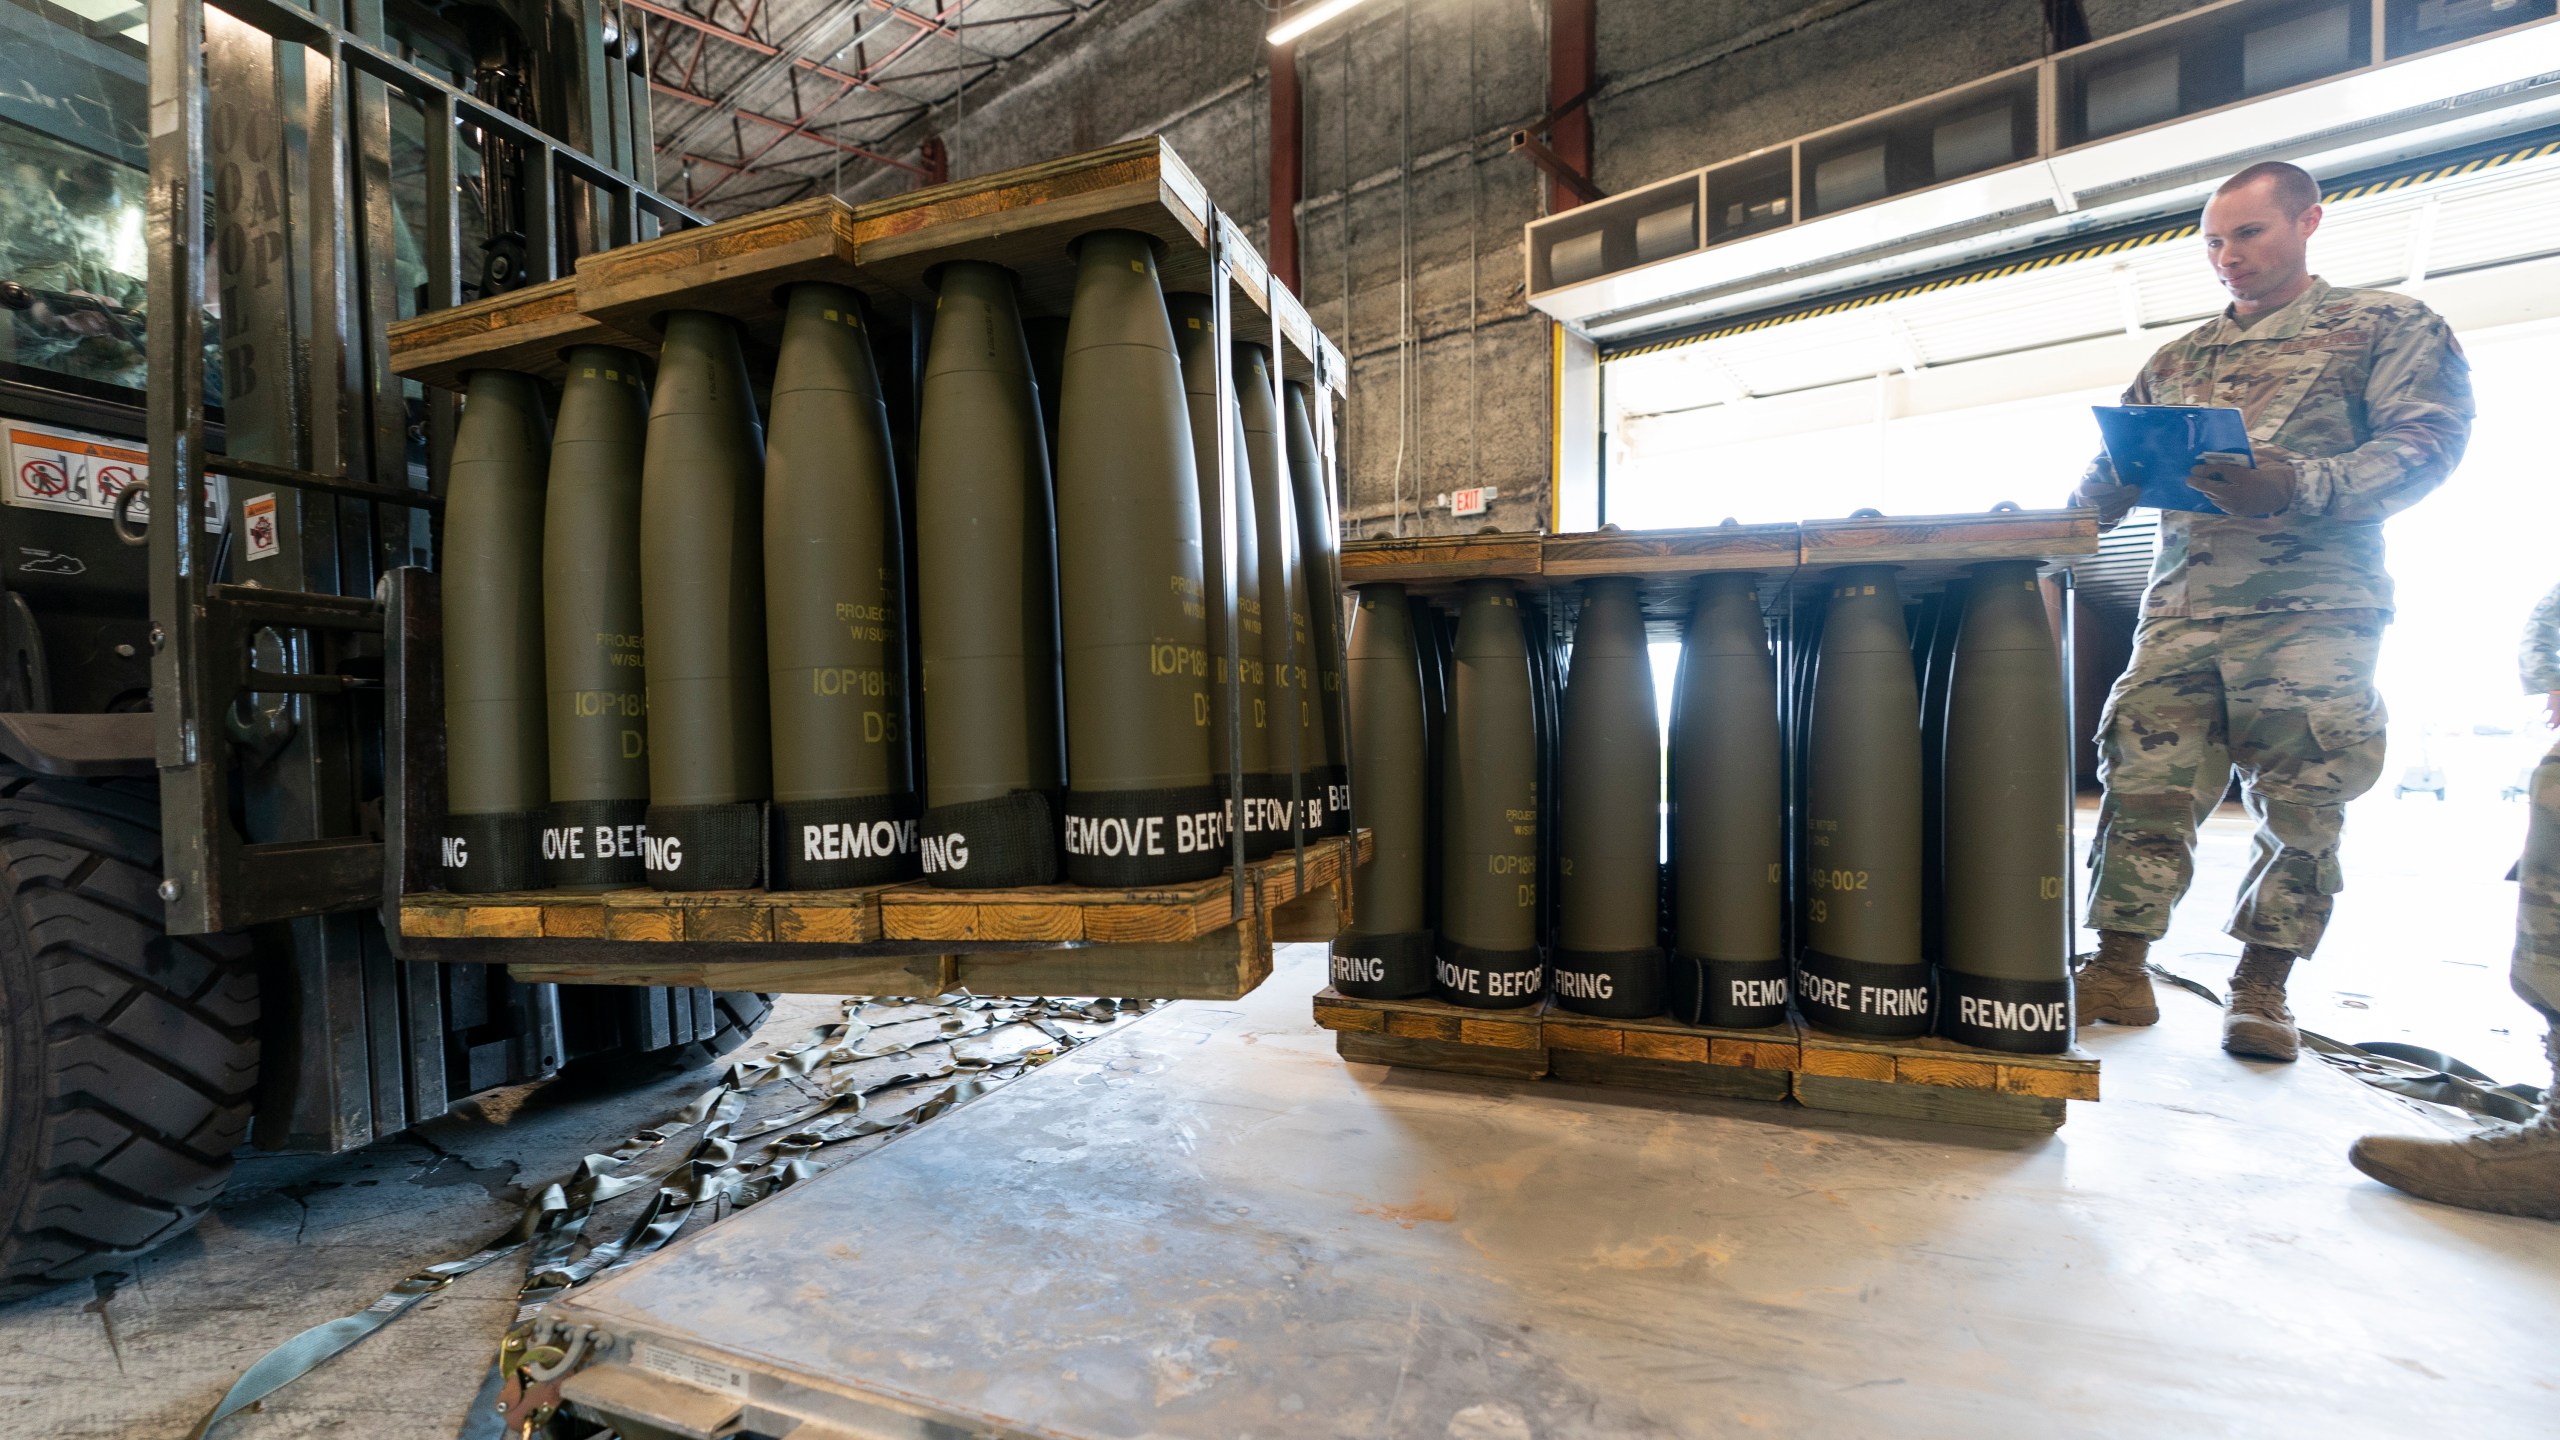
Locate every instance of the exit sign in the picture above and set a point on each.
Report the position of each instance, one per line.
(1469, 502)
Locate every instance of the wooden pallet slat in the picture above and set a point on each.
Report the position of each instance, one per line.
(525, 330)
(1672, 552)
(1026, 219)
(1950, 539)
(738, 268)
(909, 911)
(1930, 544)
(1445, 558)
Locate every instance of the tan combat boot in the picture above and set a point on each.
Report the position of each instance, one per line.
(2257, 1022)
(2115, 986)
(2507, 1169)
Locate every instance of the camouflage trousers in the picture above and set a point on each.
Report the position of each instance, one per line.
(2287, 700)
(2537, 967)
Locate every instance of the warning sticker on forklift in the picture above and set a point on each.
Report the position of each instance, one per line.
(258, 525)
(82, 474)
(691, 1369)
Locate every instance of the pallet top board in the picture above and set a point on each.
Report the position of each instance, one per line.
(1025, 219)
(524, 330)
(899, 914)
(1441, 562)
(737, 268)
(1678, 553)
(1926, 547)
(1665, 561)
(1944, 543)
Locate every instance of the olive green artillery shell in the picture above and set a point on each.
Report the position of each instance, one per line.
(1608, 813)
(496, 755)
(2008, 818)
(702, 571)
(835, 607)
(1487, 953)
(1195, 338)
(1320, 560)
(1132, 604)
(1385, 952)
(1862, 816)
(1728, 818)
(497, 767)
(595, 660)
(1297, 731)
(986, 555)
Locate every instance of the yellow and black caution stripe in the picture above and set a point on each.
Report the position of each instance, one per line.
(2366, 190)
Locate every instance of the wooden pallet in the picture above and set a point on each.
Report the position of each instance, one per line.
(1026, 219)
(738, 268)
(1176, 941)
(1924, 1079)
(524, 330)
(1937, 544)
(1663, 1054)
(907, 911)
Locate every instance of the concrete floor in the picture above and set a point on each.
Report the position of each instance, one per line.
(1208, 1227)
(2418, 953)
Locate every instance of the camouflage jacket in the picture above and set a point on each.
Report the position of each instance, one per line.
(2539, 658)
(2367, 395)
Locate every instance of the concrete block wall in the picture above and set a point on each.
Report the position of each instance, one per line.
(1410, 223)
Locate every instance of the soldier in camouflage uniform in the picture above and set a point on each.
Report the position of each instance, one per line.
(2261, 626)
(2512, 1169)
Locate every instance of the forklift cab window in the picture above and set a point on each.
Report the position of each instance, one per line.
(73, 179)
(73, 174)
(71, 261)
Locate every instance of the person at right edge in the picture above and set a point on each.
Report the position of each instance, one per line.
(2261, 625)
(2511, 1169)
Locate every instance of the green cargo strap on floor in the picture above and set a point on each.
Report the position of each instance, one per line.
(2412, 1071)
(307, 1351)
(725, 1168)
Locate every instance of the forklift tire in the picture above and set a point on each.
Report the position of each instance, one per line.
(736, 1016)
(128, 1057)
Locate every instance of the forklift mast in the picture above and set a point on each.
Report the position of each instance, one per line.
(202, 242)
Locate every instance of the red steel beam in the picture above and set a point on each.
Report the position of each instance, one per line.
(878, 67)
(743, 42)
(1573, 70)
(1288, 162)
(789, 127)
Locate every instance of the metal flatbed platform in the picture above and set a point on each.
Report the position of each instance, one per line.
(1211, 1225)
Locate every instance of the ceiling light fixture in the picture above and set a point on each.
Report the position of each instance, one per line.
(1308, 19)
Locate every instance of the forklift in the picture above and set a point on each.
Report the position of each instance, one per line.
(216, 496)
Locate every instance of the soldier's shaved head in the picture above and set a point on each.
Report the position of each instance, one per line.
(2291, 186)
(2257, 235)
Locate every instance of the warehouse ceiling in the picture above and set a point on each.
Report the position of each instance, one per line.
(762, 102)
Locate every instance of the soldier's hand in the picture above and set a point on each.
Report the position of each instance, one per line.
(2239, 490)
(2113, 502)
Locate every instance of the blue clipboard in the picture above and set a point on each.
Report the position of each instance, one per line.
(2154, 446)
